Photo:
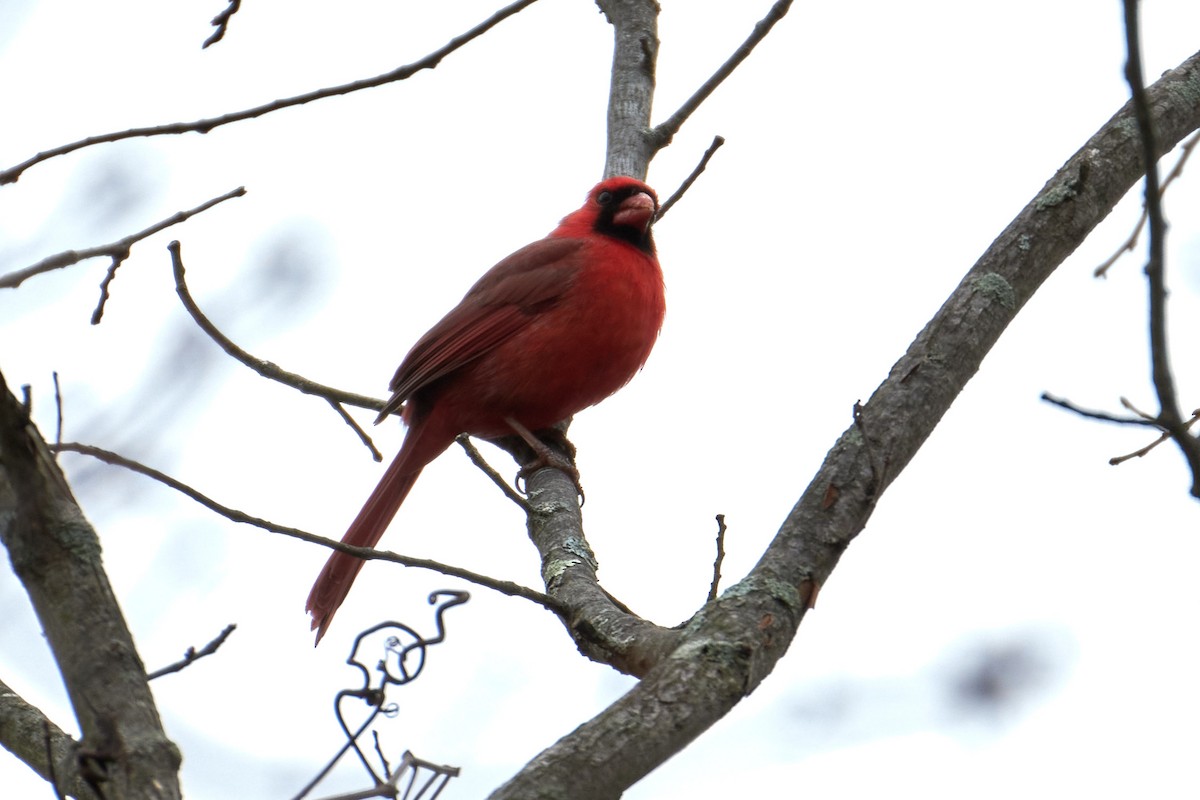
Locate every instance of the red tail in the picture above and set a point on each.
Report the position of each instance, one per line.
(333, 584)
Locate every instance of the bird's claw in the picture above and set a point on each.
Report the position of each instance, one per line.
(548, 459)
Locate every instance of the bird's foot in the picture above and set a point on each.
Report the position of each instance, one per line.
(546, 457)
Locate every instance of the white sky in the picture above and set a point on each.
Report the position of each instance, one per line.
(874, 150)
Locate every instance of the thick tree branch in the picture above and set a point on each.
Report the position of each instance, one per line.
(56, 555)
(430, 61)
(635, 58)
(602, 627)
(727, 649)
(28, 734)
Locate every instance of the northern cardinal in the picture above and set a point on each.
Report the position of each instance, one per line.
(554, 328)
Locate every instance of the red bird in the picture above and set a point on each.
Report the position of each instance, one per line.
(554, 328)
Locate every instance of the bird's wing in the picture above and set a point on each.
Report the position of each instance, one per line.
(502, 302)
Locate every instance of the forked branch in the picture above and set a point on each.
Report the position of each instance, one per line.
(727, 649)
(118, 251)
(1169, 415)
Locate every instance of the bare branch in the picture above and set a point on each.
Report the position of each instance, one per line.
(720, 559)
(365, 553)
(267, 369)
(56, 555)
(1141, 451)
(733, 643)
(192, 654)
(631, 88)
(478, 460)
(1103, 416)
(362, 434)
(58, 409)
(37, 742)
(118, 251)
(663, 133)
(604, 629)
(1185, 152)
(1169, 415)
(430, 61)
(221, 23)
(687, 184)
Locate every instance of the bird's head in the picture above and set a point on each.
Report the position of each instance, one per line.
(624, 208)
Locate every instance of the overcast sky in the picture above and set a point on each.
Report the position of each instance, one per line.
(874, 150)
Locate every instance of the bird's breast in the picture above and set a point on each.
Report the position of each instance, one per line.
(573, 354)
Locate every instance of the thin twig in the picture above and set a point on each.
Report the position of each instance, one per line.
(430, 61)
(1127, 246)
(117, 250)
(193, 655)
(1104, 416)
(1169, 415)
(1141, 451)
(478, 460)
(58, 407)
(687, 184)
(720, 559)
(110, 275)
(362, 434)
(1127, 403)
(663, 133)
(1163, 381)
(366, 553)
(268, 369)
(221, 23)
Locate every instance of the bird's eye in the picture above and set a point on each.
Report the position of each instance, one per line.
(604, 198)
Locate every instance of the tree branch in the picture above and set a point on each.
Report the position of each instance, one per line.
(268, 369)
(221, 23)
(664, 132)
(602, 627)
(1185, 152)
(1103, 416)
(366, 553)
(192, 655)
(1142, 451)
(631, 92)
(118, 251)
(1169, 415)
(430, 61)
(56, 554)
(715, 586)
(687, 184)
(464, 441)
(28, 734)
(732, 644)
